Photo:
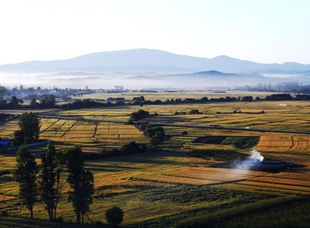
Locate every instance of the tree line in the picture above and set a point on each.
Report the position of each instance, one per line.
(49, 186)
(50, 101)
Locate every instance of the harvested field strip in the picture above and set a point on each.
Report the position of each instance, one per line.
(301, 146)
(57, 129)
(110, 128)
(13, 124)
(197, 176)
(277, 187)
(57, 125)
(66, 127)
(284, 181)
(6, 133)
(118, 138)
(47, 123)
(7, 130)
(223, 171)
(9, 188)
(275, 138)
(294, 176)
(272, 149)
(179, 180)
(7, 163)
(253, 189)
(214, 176)
(81, 133)
(85, 127)
(286, 143)
(6, 197)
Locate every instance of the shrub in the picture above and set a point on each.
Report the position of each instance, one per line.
(241, 142)
(194, 111)
(135, 116)
(116, 152)
(114, 215)
(4, 213)
(99, 223)
(59, 219)
(184, 133)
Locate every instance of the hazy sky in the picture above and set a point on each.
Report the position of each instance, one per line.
(266, 31)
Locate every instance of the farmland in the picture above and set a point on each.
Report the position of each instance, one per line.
(182, 179)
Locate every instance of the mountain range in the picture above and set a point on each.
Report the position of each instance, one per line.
(150, 61)
(149, 69)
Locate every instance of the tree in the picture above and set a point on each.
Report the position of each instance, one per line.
(48, 102)
(135, 116)
(14, 102)
(138, 100)
(3, 103)
(130, 148)
(114, 215)
(50, 183)
(81, 182)
(25, 174)
(33, 102)
(29, 124)
(150, 131)
(157, 135)
(51, 101)
(2, 91)
(19, 137)
(247, 98)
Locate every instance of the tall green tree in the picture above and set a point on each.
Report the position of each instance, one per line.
(2, 91)
(14, 102)
(25, 174)
(18, 138)
(33, 102)
(50, 183)
(81, 182)
(48, 102)
(30, 124)
(51, 101)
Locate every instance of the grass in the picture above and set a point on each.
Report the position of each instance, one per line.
(271, 213)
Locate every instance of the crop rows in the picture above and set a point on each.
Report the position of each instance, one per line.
(284, 143)
(276, 187)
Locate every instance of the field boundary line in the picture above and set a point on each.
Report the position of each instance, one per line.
(50, 126)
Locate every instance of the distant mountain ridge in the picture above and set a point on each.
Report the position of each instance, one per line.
(149, 61)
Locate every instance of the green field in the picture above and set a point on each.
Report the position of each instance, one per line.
(180, 183)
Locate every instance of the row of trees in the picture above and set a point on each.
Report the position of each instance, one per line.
(46, 184)
(48, 188)
(50, 102)
(45, 102)
(13, 103)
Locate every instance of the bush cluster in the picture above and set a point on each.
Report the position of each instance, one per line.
(241, 142)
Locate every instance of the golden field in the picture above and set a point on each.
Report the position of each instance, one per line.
(173, 181)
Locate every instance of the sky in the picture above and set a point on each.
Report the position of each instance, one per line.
(264, 31)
